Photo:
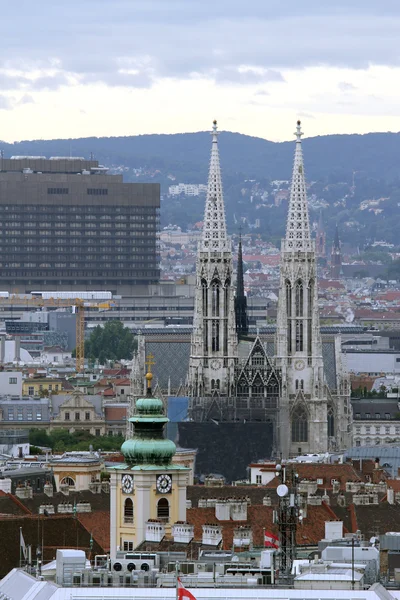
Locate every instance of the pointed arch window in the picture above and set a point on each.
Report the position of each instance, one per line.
(299, 425)
(299, 298)
(331, 422)
(289, 315)
(257, 389)
(128, 511)
(204, 290)
(299, 336)
(310, 293)
(215, 335)
(215, 291)
(243, 389)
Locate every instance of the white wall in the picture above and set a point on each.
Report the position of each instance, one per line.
(11, 389)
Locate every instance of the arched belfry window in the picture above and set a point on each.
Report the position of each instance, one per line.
(288, 288)
(299, 425)
(331, 421)
(310, 301)
(163, 509)
(299, 298)
(215, 291)
(204, 290)
(128, 511)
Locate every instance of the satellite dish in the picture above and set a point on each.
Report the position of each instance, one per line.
(282, 490)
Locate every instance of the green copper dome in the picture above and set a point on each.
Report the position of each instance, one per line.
(147, 451)
(148, 445)
(149, 406)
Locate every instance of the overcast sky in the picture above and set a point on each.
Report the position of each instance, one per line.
(76, 68)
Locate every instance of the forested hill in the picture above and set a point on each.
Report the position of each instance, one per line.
(328, 158)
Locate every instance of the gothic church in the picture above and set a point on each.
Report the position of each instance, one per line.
(273, 377)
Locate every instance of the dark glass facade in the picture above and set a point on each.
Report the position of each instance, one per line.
(68, 230)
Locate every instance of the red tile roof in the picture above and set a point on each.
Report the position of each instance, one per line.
(98, 525)
(326, 472)
(260, 517)
(394, 484)
(109, 392)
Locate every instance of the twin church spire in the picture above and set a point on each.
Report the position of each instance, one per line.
(214, 342)
(214, 228)
(298, 237)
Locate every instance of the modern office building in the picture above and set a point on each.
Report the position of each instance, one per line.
(65, 223)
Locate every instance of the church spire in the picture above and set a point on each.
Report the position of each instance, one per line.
(336, 256)
(336, 242)
(214, 228)
(242, 324)
(298, 236)
(213, 352)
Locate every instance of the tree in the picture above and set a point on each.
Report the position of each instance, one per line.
(111, 342)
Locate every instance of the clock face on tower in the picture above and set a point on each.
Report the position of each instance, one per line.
(164, 484)
(127, 484)
(299, 365)
(215, 364)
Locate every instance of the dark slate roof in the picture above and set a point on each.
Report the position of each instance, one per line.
(98, 502)
(61, 531)
(388, 455)
(254, 493)
(374, 407)
(373, 520)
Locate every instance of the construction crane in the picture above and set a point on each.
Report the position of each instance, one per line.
(77, 303)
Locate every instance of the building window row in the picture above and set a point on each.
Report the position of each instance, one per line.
(97, 191)
(57, 190)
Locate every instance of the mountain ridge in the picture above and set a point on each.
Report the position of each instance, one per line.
(375, 154)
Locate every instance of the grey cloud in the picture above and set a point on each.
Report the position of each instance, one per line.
(93, 39)
(26, 99)
(250, 76)
(261, 93)
(20, 82)
(344, 86)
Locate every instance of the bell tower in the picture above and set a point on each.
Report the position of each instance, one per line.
(214, 341)
(147, 485)
(303, 402)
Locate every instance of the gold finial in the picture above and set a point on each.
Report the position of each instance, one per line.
(149, 375)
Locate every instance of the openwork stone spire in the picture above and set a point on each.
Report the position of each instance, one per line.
(242, 324)
(298, 236)
(214, 229)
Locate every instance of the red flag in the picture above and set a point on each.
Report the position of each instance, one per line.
(270, 540)
(183, 592)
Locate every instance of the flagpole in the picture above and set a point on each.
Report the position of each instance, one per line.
(176, 579)
(20, 548)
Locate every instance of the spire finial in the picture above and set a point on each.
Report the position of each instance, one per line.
(215, 131)
(149, 375)
(298, 133)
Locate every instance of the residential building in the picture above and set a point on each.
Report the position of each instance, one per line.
(24, 413)
(11, 383)
(78, 412)
(76, 471)
(376, 421)
(44, 386)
